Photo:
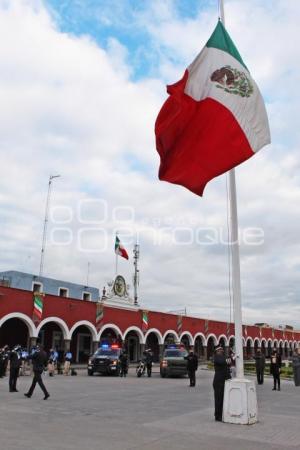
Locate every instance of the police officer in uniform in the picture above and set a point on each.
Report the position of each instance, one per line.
(14, 368)
(123, 359)
(260, 362)
(4, 355)
(39, 361)
(148, 361)
(222, 373)
(275, 368)
(192, 366)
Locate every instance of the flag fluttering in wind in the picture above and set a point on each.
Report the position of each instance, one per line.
(119, 249)
(214, 118)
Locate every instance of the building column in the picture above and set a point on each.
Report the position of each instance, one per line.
(32, 342)
(67, 343)
(95, 346)
(142, 349)
(161, 350)
(205, 352)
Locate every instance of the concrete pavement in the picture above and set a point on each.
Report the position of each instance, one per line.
(147, 413)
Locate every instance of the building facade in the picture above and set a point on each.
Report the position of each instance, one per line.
(35, 283)
(67, 323)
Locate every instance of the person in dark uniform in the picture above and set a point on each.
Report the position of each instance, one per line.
(192, 366)
(222, 373)
(148, 361)
(275, 367)
(260, 362)
(4, 356)
(123, 364)
(15, 362)
(39, 361)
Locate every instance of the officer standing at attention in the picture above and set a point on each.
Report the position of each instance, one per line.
(123, 364)
(275, 368)
(14, 368)
(222, 373)
(4, 356)
(192, 366)
(260, 362)
(39, 361)
(149, 360)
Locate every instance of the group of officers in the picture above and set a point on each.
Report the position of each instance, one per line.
(36, 360)
(224, 368)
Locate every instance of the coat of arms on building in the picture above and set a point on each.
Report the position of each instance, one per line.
(232, 81)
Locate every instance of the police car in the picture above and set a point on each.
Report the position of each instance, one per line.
(173, 362)
(105, 360)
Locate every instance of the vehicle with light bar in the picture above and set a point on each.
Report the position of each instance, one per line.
(105, 360)
(173, 362)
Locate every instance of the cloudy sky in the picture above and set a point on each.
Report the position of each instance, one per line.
(81, 83)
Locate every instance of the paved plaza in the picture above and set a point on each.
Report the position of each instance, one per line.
(95, 413)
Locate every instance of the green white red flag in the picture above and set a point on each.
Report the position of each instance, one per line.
(119, 249)
(99, 315)
(145, 321)
(214, 118)
(38, 305)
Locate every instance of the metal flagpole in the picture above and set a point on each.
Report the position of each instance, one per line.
(235, 252)
(240, 403)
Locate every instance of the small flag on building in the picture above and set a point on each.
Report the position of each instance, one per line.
(214, 118)
(99, 315)
(205, 327)
(228, 329)
(179, 325)
(119, 249)
(246, 331)
(38, 305)
(145, 321)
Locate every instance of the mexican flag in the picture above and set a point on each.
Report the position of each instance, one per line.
(38, 304)
(214, 118)
(119, 249)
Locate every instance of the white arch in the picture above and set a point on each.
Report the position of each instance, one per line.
(286, 343)
(138, 332)
(26, 319)
(187, 333)
(203, 339)
(265, 341)
(157, 334)
(222, 336)
(277, 344)
(211, 335)
(231, 337)
(280, 343)
(256, 340)
(269, 341)
(61, 323)
(113, 327)
(170, 332)
(87, 324)
(249, 338)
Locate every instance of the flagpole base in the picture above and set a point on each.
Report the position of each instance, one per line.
(240, 402)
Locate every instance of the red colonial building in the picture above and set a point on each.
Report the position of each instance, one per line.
(81, 324)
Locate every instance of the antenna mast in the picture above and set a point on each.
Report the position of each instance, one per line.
(136, 253)
(44, 240)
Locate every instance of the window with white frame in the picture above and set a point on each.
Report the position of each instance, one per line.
(37, 286)
(63, 292)
(86, 296)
